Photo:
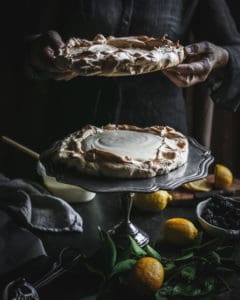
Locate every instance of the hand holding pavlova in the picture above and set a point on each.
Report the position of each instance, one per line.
(201, 59)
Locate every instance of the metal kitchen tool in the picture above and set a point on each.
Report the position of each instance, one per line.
(20, 289)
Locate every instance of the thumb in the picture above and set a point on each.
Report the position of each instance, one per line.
(54, 40)
(197, 48)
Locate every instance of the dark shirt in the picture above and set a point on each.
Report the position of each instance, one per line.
(141, 100)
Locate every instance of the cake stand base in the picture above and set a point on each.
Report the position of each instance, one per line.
(126, 228)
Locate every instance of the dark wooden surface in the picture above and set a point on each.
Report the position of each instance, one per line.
(105, 211)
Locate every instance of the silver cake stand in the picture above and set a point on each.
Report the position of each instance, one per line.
(199, 160)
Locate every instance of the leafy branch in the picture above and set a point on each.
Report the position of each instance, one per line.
(199, 272)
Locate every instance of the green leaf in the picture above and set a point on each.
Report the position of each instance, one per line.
(136, 249)
(210, 245)
(160, 297)
(205, 248)
(152, 252)
(209, 284)
(179, 289)
(112, 251)
(226, 251)
(123, 266)
(230, 263)
(185, 257)
(91, 297)
(224, 269)
(169, 266)
(164, 291)
(105, 258)
(215, 257)
(188, 273)
(192, 290)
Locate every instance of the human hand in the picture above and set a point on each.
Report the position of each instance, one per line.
(42, 50)
(201, 59)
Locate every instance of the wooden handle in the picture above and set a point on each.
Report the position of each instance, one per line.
(20, 147)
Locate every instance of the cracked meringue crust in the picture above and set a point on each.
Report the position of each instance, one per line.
(122, 151)
(118, 56)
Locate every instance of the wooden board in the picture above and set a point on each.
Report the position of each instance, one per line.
(184, 197)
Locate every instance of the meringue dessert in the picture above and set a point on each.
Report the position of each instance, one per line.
(122, 151)
(118, 56)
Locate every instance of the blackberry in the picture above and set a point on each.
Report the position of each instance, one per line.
(210, 205)
(236, 212)
(220, 220)
(206, 217)
(238, 224)
(214, 222)
(208, 212)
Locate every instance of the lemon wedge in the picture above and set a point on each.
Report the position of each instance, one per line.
(201, 185)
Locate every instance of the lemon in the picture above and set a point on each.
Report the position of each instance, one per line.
(152, 202)
(179, 231)
(148, 275)
(223, 177)
(199, 185)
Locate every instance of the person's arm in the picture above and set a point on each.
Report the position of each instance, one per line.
(217, 60)
(40, 51)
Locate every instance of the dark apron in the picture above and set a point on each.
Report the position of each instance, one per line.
(141, 100)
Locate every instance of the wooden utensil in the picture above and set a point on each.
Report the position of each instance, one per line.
(20, 147)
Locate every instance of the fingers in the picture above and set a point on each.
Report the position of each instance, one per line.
(175, 78)
(180, 80)
(43, 59)
(198, 48)
(201, 67)
(201, 59)
(48, 52)
(54, 40)
(43, 51)
(185, 75)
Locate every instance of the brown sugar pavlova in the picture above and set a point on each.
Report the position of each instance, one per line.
(118, 56)
(122, 151)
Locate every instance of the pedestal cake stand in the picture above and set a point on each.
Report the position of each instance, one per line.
(196, 167)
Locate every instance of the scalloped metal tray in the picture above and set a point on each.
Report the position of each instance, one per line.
(199, 160)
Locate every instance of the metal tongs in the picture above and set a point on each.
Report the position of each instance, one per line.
(20, 289)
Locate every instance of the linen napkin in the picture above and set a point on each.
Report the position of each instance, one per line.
(17, 245)
(35, 208)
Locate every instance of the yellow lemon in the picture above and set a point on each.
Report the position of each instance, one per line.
(223, 177)
(148, 275)
(152, 202)
(179, 231)
(198, 185)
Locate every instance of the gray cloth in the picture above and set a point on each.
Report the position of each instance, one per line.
(17, 245)
(37, 209)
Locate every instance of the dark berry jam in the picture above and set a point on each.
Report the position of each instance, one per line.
(222, 212)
